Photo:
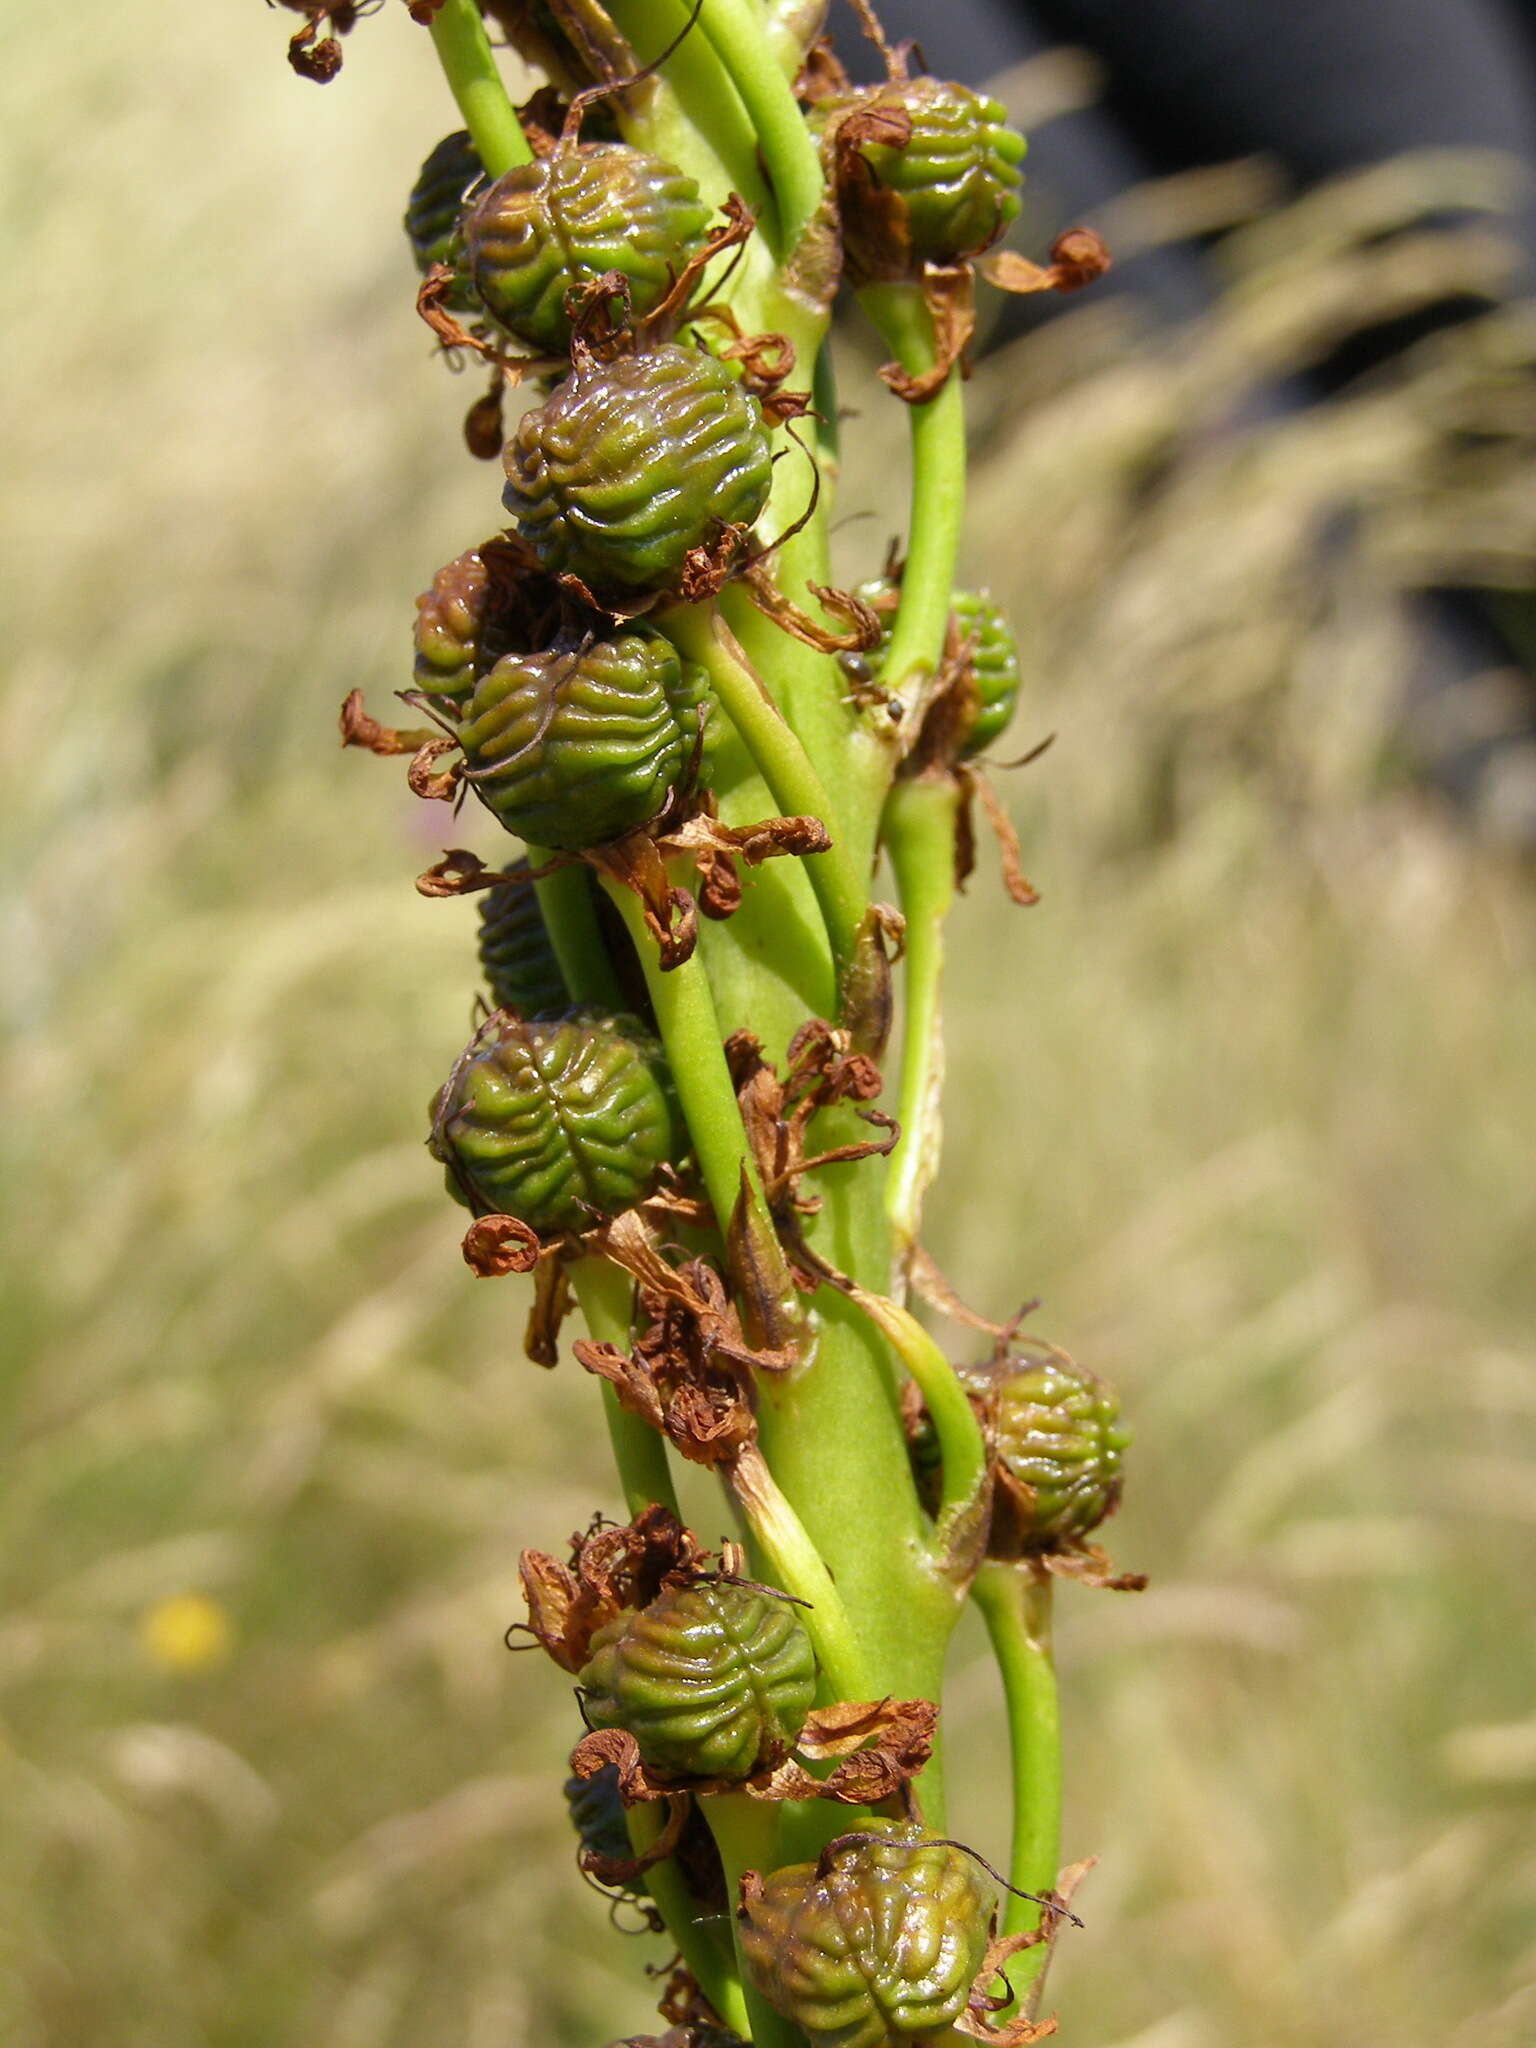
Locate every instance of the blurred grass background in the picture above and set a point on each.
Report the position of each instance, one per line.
(1250, 1099)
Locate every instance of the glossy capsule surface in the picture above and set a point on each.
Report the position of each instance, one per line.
(1062, 1443)
(880, 1949)
(435, 210)
(569, 218)
(516, 956)
(958, 174)
(558, 1122)
(712, 1680)
(633, 464)
(574, 747)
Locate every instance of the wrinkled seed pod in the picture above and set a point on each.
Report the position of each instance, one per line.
(712, 1680)
(516, 956)
(567, 219)
(1060, 1437)
(572, 748)
(994, 654)
(457, 636)
(958, 175)
(882, 1949)
(433, 213)
(994, 666)
(597, 1814)
(632, 464)
(559, 1123)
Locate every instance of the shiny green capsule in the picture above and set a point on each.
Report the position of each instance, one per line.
(1061, 1444)
(957, 175)
(634, 464)
(559, 1122)
(516, 956)
(712, 1680)
(880, 1948)
(573, 747)
(979, 626)
(434, 213)
(993, 666)
(569, 218)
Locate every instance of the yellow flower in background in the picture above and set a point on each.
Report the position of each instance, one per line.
(188, 1632)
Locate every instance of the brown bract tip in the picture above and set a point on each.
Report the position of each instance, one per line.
(494, 1245)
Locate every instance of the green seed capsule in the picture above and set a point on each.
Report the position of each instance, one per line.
(712, 1680)
(881, 1949)
(571, 749)
(434, 214)
(957, 176)
(994, 666)
(980, 625)
(559, 1123)
(567, 219)
(516, 956)
(461, 631)
(1061, 1443)
(633, 464)
(597, 1814)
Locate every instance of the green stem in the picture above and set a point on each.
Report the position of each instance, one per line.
(746, 1833)
(736, 30)
(458, 35)
(962, 1446)
(702, 1947)
(690, 1030)
(1017, 1611)
(919, 835)
(797, 1568)
(702, 635)
(570, 918)
(693, 117)
(606, 1294)
(937, 429)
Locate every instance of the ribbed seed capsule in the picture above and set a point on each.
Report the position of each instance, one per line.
(712, 1680)
(434, 211)
(567, 219)
(597, 1814)
(881, 1948)
(983, 628)
(516, 956)
(570, 749)
(559, 1123)
(633, 464)
(1061, 1444)
(458, 634)
(957, 174)
(994, 666)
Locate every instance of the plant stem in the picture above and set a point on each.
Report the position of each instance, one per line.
(695, 117)
(565, 904)
(690, 1030)
(740, 38)
(798, 1569)
(702, 1948)
(746, 1833)
(458, 35)
(702, 635)
(962, 1446)
(1017, 1611)
(937, 429)
(919, 835)
(606, 1295)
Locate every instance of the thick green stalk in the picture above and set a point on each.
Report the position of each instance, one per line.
(700, 633)
(937, 428)
(1017, 1611)
(707, 1950)
(738, 34)
(962, 1447)
(605, 1294)
(919, 835)
(797, 1569)
(565, 904)
(746, 1833)
(458, 34)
